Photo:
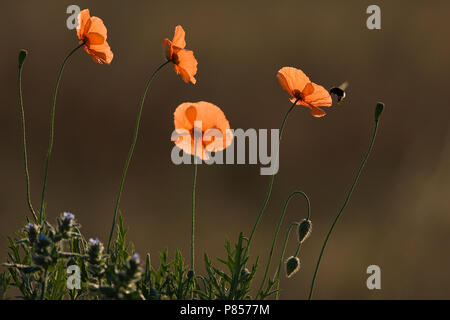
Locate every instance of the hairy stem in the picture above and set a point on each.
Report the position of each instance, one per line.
(283, 251)
(277, 229)
(52, 130)
(130, 153)
(194, 185)
(24, 139)
(269, 190)
(347, 198)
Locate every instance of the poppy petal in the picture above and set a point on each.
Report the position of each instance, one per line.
(292, 79)
(94, 38)
(317, 112)
(188, 63)
(92, 32)
(214, 125)
(309, 89)
(98, 27)
(83, 20)
(179, 37)
(100, 53)
(319, 98)
(191, 114)
(183, 73)
(167, 44)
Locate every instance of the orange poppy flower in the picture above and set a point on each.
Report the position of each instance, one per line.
(92, 33)
(309, 94)
(183, 60)
(204, 122)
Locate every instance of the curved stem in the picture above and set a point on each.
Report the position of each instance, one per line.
(52, 129)
(269, 190)
(286, 238)
(24, 144)
(130, 153)
(298, 249)
(349, 193)
(277, 229)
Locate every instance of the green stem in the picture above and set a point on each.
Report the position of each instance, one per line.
(44, 284)
(130, 153)
(24, 143)
(298, 249)
(194, 184)
(286, 238)
(277, 229)
(52, 130)
(349, 193)
(269, 190)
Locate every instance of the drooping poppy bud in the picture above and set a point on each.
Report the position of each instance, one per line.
(304, 230)
(292, 266)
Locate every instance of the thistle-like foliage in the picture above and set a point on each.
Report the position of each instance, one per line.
(4, 284)
(234, 283)
(41, 255)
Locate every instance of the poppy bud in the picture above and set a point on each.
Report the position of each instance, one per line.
(304, 230)
(292, 266)
(22, 56)
(190, 274)
(378, 110)
(339, 91)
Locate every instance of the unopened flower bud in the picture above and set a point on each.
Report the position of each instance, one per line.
(93, 241)
(95, 249)
(65, 223)
(135, 261)
(292, 266)
(378, 110)
(22, 56)
(190, 274)
(43, 241)
(136, 258)
(33, 231)
(304, 230)
(68, 216)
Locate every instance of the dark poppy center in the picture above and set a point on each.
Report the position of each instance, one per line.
(298, 95)
(175, 58)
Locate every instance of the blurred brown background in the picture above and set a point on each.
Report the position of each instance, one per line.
(398, 217)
